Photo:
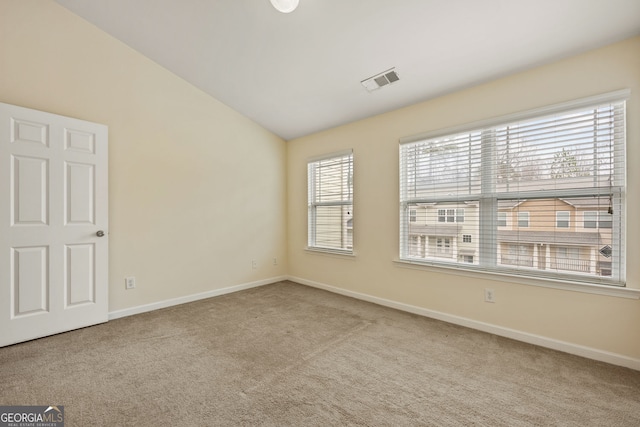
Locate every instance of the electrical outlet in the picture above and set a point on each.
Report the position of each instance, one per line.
(489, 295)
(130, 282)
(254, 264)
(275, 261)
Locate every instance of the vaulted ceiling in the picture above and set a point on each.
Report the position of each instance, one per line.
(300, 72)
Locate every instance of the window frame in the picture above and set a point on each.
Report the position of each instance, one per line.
(490, 212)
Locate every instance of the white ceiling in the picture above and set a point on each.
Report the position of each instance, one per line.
(299, 73)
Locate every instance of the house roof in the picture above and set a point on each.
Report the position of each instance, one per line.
(508, 204)
(599, 203)
(566, 238)
(466, 251)
(439, 230)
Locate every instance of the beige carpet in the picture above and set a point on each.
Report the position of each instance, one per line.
(289, 355)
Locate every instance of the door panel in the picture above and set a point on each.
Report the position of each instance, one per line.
(79, 194)
(78, 141)
(80, 274)
(53, 192)
(30, 278)
(30, 190)
(29, 132)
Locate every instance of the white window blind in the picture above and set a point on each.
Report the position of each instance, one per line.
(330, 193)
(519, 183)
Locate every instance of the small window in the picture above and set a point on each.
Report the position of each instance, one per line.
(460, 215)
(562, 219)
(502, 219)
(412, 215)
(442, 215)
(523, 219)
(466, 238)
(597, 219)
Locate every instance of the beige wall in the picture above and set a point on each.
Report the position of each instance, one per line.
(196, 190)
(610, 324)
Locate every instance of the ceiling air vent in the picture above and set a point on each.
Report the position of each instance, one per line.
(383, 79)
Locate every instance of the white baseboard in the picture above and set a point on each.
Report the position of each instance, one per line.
(190, 298)
(578, 350)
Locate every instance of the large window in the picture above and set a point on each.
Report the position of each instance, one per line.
(515, 183)
(330, 193)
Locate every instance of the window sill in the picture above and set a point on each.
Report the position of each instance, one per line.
(565, 285)
(334, 252)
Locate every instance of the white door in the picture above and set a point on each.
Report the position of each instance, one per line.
(53, 207)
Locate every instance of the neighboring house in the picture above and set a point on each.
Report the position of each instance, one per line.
(548, 234)
(558, 234)
(444, 230)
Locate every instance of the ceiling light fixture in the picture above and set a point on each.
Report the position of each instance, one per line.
(285, 6)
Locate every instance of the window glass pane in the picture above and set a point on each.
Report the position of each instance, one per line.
(443, 166)
(448, 241)
(332, 179)
(332, 227)
(547, 247)
(571, 150)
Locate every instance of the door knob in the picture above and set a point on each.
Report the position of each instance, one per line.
(100, 233)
